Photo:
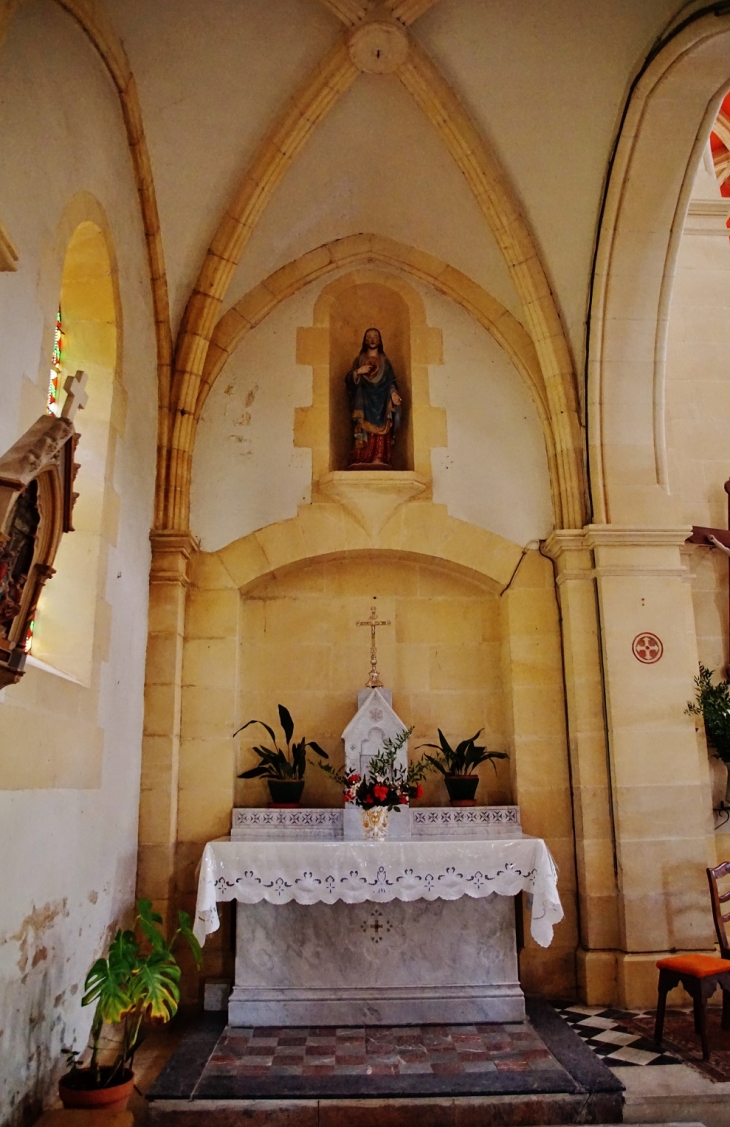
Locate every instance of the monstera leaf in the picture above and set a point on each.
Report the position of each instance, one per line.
(154, 986)
(148, 921)
(186, 930)
(129, 986)
(108, 981)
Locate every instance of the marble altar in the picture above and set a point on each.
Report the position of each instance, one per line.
(354, 933)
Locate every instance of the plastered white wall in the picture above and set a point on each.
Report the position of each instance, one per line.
(212, 77)
(376, 164)
(546, 83)
(69, 855)
(247, 473)
(494, 471)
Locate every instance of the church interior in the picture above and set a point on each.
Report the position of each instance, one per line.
(208, 475)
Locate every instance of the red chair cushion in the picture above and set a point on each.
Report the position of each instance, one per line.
(699, 966)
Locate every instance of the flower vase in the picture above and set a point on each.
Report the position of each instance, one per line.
(375, 823)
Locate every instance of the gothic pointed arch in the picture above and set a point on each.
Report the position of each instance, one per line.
(665, 128)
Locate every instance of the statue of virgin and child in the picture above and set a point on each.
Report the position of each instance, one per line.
(375, 405)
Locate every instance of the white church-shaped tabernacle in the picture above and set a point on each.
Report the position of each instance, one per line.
(374, 722)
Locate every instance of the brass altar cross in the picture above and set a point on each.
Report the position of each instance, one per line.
(373, 681)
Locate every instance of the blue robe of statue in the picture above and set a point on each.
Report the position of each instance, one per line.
(373, 413)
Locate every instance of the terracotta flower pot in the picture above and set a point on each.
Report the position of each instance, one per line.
(462, 789)
(74, 1095)
(285, 792)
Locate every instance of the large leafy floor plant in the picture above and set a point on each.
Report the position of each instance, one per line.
(136, 982)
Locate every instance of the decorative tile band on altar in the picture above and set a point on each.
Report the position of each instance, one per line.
(302, 824)
(467, 821)
(307, 824)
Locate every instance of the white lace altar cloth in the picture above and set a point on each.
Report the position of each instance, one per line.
(312, 872)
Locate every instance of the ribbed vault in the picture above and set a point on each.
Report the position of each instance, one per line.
(310, 104)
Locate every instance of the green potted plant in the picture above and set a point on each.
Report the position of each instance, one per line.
(458, 764)
(282, 769)
(712, 703)
(127, 988)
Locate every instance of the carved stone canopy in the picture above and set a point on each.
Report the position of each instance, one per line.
(36, 505)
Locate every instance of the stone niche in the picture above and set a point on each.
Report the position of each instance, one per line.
(359, 300)
(300, 646)
(363, 306)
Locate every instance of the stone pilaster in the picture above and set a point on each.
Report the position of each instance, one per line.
(659, 777)
(590, 776)
(158, 809)
(535, 699)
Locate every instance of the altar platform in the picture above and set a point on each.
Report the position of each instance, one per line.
(533, 1072)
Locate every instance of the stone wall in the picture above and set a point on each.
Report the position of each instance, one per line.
(70, 748)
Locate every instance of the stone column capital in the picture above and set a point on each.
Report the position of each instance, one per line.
(631, 536)
(573, 558)
(172, 550)
(630, 550)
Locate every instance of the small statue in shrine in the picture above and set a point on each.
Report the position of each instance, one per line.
(375, 403)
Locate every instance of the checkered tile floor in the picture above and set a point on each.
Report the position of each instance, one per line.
(607, 1032)
(384, 1051)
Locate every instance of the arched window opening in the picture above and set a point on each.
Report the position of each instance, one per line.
(720, 150)
(64, 628)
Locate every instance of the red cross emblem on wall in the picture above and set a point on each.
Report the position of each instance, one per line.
(647, 648)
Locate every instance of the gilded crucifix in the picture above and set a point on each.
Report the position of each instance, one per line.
(373, 681)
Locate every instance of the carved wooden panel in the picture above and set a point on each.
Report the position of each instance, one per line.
(36, 505)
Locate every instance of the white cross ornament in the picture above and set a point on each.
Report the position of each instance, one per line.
(76, 395)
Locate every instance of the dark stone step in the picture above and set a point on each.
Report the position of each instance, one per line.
(214, 1078)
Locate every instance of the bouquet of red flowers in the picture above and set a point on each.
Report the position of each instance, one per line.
(385, 784)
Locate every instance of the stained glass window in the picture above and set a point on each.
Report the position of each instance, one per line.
(54, 383)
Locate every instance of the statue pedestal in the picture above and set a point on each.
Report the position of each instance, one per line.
(372, 496)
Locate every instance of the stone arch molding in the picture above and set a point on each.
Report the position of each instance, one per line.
(417, 530)
(367, 249)
(665, 129)
(309, 105)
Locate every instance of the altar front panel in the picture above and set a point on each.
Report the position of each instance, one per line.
(401, 963)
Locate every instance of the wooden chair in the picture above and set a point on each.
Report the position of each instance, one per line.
(700, 975)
